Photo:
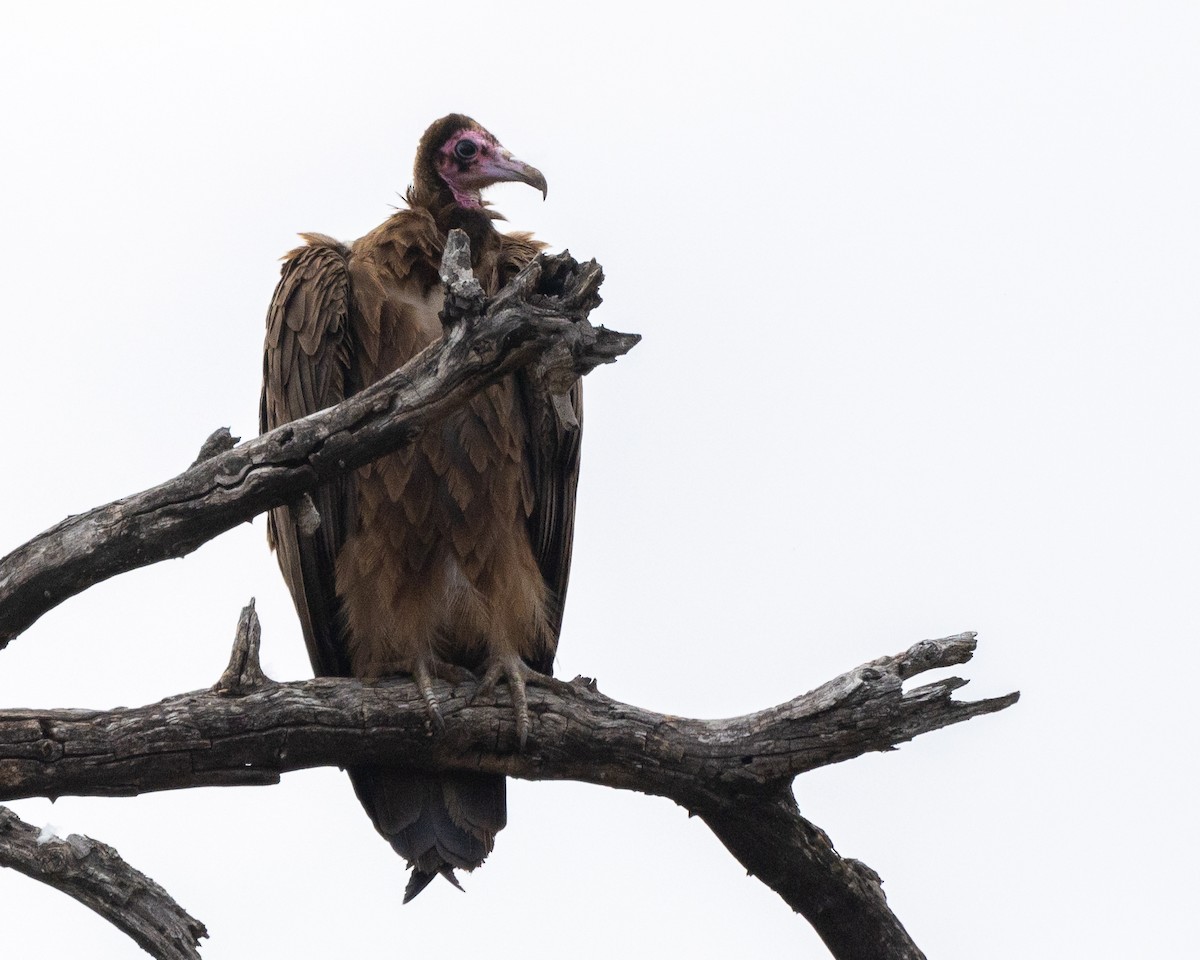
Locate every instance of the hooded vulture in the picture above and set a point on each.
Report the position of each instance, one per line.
(451, 555)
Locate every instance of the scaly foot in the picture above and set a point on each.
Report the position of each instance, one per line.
(518, 673)
(424, 671)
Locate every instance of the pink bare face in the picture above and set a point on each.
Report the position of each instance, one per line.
(473, 159)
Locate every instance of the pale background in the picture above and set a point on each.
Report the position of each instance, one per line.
(917, 285)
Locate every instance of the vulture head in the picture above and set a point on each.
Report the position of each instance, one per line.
(457, 158)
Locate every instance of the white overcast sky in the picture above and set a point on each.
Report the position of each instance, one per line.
(918, 289)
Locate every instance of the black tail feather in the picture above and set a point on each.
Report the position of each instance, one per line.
(417, 882)
(436, 822)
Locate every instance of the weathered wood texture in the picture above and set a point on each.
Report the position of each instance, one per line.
(95, 875)
(543, 311)
(733, 773)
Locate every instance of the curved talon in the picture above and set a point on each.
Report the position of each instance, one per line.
(518, 673)
(425, 684)
(425, 670)
(511, 668)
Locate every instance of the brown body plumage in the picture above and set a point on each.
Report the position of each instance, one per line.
(452, 554)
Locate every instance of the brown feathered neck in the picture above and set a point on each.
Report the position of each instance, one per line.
(477, 224)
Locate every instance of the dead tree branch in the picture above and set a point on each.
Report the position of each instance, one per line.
(544, 309)
(95, 875)
(735, 773)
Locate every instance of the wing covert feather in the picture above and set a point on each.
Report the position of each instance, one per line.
(308, 366)
(553, 458)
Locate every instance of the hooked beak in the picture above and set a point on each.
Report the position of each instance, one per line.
(504, 167)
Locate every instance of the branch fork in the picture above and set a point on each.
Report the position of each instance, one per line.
(735, 774)
(542, 311)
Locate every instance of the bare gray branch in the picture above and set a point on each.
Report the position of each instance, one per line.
(216, 494)
(734, 773)
(95, 875)
(244, 672)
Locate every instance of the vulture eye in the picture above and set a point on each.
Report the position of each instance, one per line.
(465, 149)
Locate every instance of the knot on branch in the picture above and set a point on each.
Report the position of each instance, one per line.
(554, 284)
(554, 375)
(306, 515)
(244, 674)
(553, 293)
(464, 299)
(931, 654)
(866, 873)
(218, 442)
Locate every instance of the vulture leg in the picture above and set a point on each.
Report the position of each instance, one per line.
(425, 685)
(424, 670)
(510, 667)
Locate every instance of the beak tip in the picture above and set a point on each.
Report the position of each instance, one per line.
(538, 181)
